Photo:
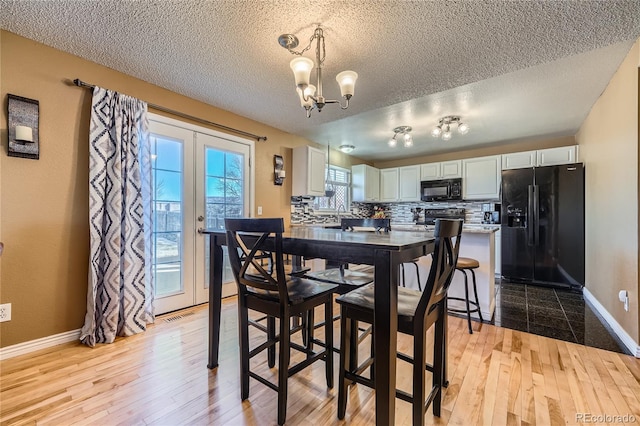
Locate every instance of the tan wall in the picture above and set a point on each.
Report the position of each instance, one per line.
(481, 152)
(608, 141)
(44, 216)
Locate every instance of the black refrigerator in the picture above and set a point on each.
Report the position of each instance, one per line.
(542, 225)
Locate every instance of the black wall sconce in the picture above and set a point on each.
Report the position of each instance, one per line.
(278, 170)
(23, 125)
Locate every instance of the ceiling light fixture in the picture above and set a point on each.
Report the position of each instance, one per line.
(443, 129)
(310, 95)
(346, 148)
(407, 139)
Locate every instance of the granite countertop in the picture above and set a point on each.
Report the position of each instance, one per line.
(472, 228)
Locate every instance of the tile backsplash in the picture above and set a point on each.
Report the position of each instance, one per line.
(302, 211)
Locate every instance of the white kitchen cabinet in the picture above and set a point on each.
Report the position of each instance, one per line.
(481, 178)
(519, 160)
(430, 171)
(308, 171)
(451, 169)
(409, 183)
(389, 179)
(441, 170)
(560, 155)
(365, 183)
(540, 157)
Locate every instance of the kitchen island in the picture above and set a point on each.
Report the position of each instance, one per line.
(478, 242)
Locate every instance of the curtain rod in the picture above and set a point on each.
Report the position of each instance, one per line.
(81, 83)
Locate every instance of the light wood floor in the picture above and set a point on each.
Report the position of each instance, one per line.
(498, 376)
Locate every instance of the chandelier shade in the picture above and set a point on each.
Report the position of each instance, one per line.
(302, 67)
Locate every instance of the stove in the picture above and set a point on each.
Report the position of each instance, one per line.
(429, 216)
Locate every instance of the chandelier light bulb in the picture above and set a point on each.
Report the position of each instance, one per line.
(301, 68)
(392, 142)
(306, 100)
(347, 82)
(408, 141)
(436, 132)
(463, 128)
(446, 135)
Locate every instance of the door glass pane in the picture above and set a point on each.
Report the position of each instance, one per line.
(224, 195)
(167, 210)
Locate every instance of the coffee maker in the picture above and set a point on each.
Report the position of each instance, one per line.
(491, 213)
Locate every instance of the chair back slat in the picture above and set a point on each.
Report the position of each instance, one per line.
(383, 225)
(248, 241)
(445, 256)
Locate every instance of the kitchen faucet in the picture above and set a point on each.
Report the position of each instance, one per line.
(341, 206)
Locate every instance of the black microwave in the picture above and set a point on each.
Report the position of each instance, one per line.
(441, 190)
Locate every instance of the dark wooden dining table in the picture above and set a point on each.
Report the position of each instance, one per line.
(385, 251)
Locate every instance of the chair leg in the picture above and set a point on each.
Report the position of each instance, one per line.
(310, 320)
(328, 348)
(475, 291)
(345, 355)
(466, 299)
(353, 345)
(283, 369)
(404, 281)
(243, 328)
(419, 394)
(271, 335)
(439, 363)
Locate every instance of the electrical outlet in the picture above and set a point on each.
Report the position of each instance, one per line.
(259, 210)
(5, 312)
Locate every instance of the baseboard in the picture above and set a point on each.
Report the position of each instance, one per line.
(43, 343)
(624, 337)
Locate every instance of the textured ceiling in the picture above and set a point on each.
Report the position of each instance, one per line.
(512, 70)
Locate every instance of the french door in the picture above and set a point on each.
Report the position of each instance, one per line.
(199, 177)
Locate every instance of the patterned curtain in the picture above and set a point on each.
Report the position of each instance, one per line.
(120, 293)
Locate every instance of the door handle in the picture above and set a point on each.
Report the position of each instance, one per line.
(530, 221)
(200, 230)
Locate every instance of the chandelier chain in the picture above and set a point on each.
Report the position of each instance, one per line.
(300, 53)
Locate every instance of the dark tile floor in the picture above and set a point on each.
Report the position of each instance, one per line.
(560, 314)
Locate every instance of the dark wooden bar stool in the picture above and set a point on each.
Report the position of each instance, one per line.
(417, 313)
(273, 293)
(468, 264)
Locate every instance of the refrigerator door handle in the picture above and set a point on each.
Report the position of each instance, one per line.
(536, 215)
(530, 221)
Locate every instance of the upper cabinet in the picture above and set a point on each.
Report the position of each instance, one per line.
(442, 170)
(308, 171)
(481, 178)
(409, 183)
(561, 155)
(389, 184)
(365, 182)
(519, 160)
(540, 158)
(400, 184)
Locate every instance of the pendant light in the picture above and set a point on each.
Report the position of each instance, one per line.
(329, 190)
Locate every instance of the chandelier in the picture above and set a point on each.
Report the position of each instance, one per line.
(403, 131)
(443, 129)
(310, 95)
